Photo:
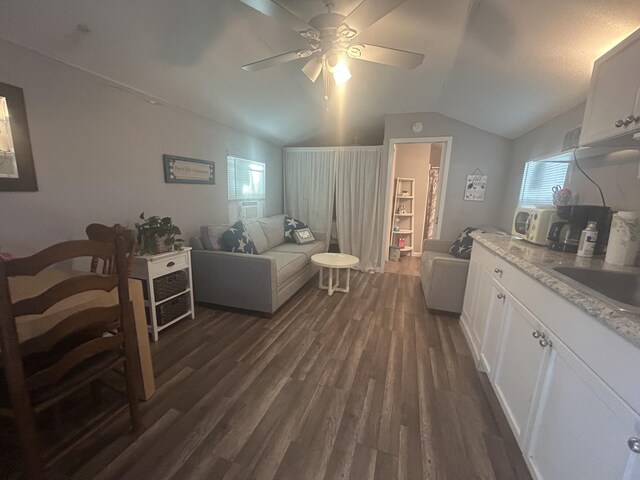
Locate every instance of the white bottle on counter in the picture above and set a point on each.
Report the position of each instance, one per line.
(588, 239)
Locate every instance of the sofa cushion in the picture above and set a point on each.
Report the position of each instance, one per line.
(211, 235)
(273, 228)
(287, 264)
(236, 239)
(291, 224)
(257, 235)
(461, 248)
(196, 244)
(308, 249)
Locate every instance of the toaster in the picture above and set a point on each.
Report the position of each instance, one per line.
(533, 224)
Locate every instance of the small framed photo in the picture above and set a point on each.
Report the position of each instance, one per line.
(303, 235)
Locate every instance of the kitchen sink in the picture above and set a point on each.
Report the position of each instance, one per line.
(621, 289)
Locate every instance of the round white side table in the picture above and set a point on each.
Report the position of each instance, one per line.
(334, 262)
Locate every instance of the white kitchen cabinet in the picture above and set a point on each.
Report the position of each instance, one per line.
(582, 429)
(494, 296)
(483, 269)
(571, 401)
(469, 306)
(521, 358)
(613, 104)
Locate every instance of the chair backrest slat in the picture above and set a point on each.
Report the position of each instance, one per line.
(102, 233)
(97, 321)
(58, 253)
(66, 288)
(73, 358)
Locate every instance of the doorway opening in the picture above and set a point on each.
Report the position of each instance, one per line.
(414, 200)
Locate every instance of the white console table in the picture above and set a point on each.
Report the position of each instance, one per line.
(150, 267)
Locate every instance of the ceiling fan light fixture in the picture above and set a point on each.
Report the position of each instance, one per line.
(312, 69)
(341, 73)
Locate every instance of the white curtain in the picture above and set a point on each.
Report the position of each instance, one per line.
(312, 176)
(359, 207)
(309, 187)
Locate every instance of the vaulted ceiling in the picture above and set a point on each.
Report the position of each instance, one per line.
(504, 66)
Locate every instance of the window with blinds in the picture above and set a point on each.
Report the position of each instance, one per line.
(539, 179)
(246, 179)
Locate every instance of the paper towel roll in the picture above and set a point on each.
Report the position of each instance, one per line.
(624, 239)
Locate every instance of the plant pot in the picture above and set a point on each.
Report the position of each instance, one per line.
(160, 245)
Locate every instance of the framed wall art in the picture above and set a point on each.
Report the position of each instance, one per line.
(188, 170)
(475, 187)
(17, 173)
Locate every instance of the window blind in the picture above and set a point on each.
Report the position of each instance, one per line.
(539, 179)
(245, 179)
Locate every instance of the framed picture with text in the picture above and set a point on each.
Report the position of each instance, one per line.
(303, 235)
(188, 170)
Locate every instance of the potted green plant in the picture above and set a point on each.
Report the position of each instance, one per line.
(157, 235)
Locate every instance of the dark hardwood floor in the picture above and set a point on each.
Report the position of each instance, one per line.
(365, 385)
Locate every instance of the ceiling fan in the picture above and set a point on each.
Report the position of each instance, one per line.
(332, 39)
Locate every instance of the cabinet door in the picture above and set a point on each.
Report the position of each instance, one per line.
(469, 315)
(581, 428)
(519, 364)
(493, 315)
(614, 88)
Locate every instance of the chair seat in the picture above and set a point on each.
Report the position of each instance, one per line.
(81, 374)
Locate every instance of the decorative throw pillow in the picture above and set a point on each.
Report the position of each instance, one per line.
(211, 235)
(236, 239)
(303, 236)
(255, 233)
(461, 248)
(291, 224)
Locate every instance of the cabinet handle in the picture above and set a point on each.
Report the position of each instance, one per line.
(171, 264)
(545, 343)
(537, 334)
(500, 296)
(619, 123)
(498, 271)
(634, 444)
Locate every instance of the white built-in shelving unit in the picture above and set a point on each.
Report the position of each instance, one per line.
(403, 210)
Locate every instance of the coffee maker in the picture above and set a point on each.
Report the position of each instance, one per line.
(564, 236)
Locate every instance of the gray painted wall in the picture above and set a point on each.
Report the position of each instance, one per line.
(98, 157)
(616, 173)
(471, 148)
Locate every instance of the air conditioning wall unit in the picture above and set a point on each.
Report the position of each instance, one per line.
(250, 210)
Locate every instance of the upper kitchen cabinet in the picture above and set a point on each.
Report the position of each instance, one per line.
(613, 105)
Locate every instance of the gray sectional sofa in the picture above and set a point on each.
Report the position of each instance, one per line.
(262, 282)
(443, 276)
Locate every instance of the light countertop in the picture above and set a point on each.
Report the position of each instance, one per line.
(533, 260)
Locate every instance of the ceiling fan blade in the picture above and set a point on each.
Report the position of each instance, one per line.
(271, 61)
(385, 55)
(282, 15)
(312, 69)
(369, 12)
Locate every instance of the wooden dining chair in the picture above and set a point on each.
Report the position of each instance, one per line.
(37, 373)
(103, 233)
